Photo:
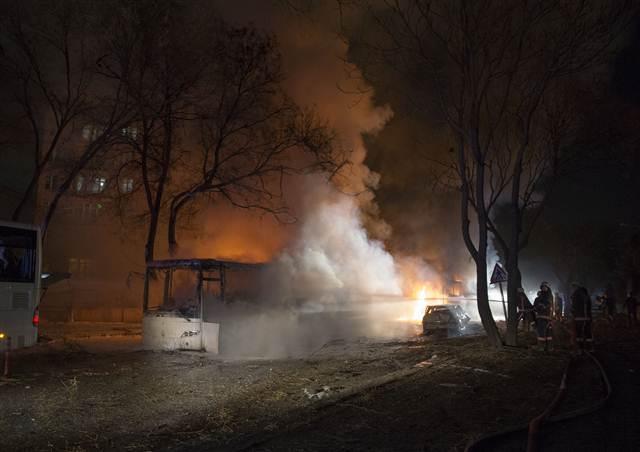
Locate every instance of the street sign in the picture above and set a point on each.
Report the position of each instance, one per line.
(498, 275)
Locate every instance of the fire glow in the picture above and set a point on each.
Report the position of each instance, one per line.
(422, 295)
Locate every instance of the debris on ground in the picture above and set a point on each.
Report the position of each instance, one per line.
(317, 395)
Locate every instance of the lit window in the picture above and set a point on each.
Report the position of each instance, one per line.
(88, 132)
(78, 267)
(91, 132)
(131, 132)
(99, 184)
(79, 184)
(126, 185)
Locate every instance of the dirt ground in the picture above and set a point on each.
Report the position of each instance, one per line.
(107, 394)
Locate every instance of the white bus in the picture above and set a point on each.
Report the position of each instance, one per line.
(20, 273)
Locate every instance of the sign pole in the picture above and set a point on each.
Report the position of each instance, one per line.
(499, 276)
(504, 306)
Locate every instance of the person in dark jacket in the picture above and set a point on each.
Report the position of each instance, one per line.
(542, 308)
(608, 308)
(581, 312)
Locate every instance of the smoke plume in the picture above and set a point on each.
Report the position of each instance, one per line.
(321, 283)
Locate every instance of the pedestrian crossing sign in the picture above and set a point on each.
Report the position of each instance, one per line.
(499, 274)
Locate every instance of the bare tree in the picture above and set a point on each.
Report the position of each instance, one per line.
(47, 56)
(492, 69)
(53, 52)
(157, 50)
(250, 134)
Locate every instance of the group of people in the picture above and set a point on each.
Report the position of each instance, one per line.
(548, 308)
(608, 306)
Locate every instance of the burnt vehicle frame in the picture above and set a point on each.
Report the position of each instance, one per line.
(444, 319)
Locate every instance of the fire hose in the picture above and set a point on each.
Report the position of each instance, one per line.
(533, 427)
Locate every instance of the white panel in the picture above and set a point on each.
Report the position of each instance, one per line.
(165, 331)
(168, 331)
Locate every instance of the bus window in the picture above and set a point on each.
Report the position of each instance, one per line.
(17, 255)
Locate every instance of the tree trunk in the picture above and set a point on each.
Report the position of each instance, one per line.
(171, 232)
(177, 204)
(482, 289)
(155, 202)
(513, 253)
(148, 256)
(513, 284)
(478, 254)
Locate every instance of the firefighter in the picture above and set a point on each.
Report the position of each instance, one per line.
(581, 312)
(632, 305)
(542, 309)
(525, 309)
(545, 288)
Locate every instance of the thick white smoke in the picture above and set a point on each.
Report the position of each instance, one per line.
(321, 285)
(333, 257)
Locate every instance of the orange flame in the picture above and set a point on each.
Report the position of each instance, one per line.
(420, 304)
(421, 296)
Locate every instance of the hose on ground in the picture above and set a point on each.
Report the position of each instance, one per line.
(476, 445)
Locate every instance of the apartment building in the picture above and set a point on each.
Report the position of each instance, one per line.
(88, 237)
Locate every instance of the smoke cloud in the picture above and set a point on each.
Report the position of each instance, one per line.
(330, 274)
(333, 257)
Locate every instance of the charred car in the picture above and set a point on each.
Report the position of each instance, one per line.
(445, 319)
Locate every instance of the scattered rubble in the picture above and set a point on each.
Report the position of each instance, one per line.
(317, 395)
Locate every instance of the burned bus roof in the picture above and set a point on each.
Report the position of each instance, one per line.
(201, 264)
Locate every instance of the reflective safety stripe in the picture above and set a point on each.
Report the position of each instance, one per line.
(549, 338)
(544, 317)
(581, 319)
(543, 339)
